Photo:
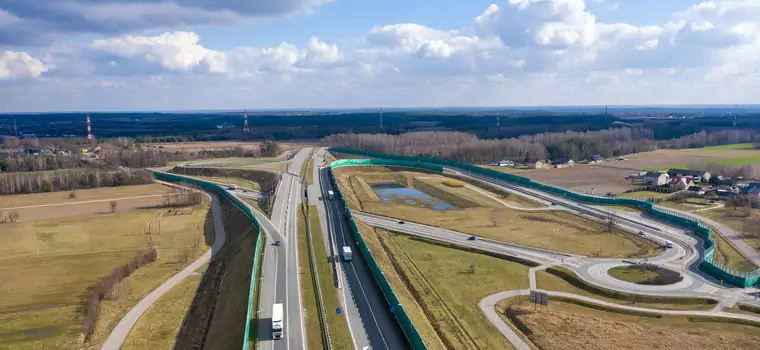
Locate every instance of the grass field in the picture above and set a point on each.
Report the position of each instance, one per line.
(726, 217)
(158, 327)
(311, 315)
(241, 183)
(62, 258)
(551, 281)
(338, 326)
(413, 308)
(645, 194)
(569, 326)
(736, 146)
(727, 255)
(599, 178)
(482, 216)
(623, 273)
(24, 200)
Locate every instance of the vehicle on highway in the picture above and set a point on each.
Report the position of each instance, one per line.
(668, 244)
(554, 203)
(330, 195)
(642, 234)
(245, 191)
(401, 221)
(277, 323)
(472, 238)
(232, 187)
(277, 243)
(347, 253)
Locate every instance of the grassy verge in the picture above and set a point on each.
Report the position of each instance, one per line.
(623, 273)
(227, 327)
(62, 258)
(253, 331)
(413, 308)
(733, 219)
(23, 200)
(750, 310)
(339, 334)
(560, 279)
(158, 327)
(241, 183)
(461, 279)
(311, 320)
(726, 254)
(570, 326)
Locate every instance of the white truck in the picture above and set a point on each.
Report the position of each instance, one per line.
(330, 195)
(347, 253)
(232, 187)
(277, 321)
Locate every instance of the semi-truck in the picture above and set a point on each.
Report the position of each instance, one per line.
(330, 195)
(347, 253)
(277, 321)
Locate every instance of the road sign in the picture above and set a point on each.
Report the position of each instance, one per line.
(540, 298)
(337, 311)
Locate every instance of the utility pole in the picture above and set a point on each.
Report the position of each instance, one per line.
(15, 128)
(497, 117)
(195, 237)
(245, 123)
(381, 118)
(160, 230)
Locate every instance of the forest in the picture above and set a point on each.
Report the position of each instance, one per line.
(467, 147)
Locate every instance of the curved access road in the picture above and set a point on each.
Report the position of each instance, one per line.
(488, 306)
(120, 332)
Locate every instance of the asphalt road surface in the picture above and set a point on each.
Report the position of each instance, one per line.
(379, 325)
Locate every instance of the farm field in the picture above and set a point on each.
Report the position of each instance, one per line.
(736, 155)
(477, 214)
(24, 200)
(218, 145)
(598, 178)
(61, 259)
(570, 326)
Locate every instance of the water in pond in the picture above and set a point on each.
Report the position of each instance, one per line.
(396, 193)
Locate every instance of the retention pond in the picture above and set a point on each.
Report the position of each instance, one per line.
(399, 194)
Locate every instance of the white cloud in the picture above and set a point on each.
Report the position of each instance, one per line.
(20, 65)
(532, 51)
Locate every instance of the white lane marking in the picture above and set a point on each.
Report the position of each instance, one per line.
(364, 294)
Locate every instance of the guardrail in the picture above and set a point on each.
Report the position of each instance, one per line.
(708, 264)
(402, 318)
(240, 205)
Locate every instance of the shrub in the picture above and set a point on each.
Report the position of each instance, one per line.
(452, 183)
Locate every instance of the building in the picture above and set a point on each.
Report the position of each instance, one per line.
(562, 162)
(596, 159)
(656, 178)
(699, 191)
(539, 164)
(751, 192)
(697, 175)
(505, 163)
(682, 183)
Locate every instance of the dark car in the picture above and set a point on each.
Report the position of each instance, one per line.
(401, 222)
(642, 234)
(472, 238)
(554, 203)
(277, 243)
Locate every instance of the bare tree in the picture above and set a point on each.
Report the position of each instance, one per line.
(609, 219)
(471, 268)
(113, 205)
(72, 195)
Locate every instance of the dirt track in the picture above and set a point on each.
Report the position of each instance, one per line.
(87, 208)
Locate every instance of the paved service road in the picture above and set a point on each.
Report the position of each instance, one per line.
(380, 327)
(120, 332)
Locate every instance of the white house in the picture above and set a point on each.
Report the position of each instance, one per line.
(655, 178)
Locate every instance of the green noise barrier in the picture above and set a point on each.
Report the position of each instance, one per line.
(240, 205)
(709, 264)
(402, 318)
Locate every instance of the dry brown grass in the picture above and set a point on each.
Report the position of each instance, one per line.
(219, 145)
(568, 327)
(413, 309)
(561, 231)
(157, 328)
(105, 193)
(601, 177)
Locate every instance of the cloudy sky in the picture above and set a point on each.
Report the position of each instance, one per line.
(94, 55)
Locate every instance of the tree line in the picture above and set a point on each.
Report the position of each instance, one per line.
(576, 145)
(70, 180)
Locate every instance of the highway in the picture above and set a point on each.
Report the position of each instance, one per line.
(369, 318)
(280, 278)
(684, 257)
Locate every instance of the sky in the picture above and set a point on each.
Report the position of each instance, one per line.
(130, 55)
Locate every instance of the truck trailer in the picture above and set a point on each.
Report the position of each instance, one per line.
(347, 254)
(330, 195)
(277, 321)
